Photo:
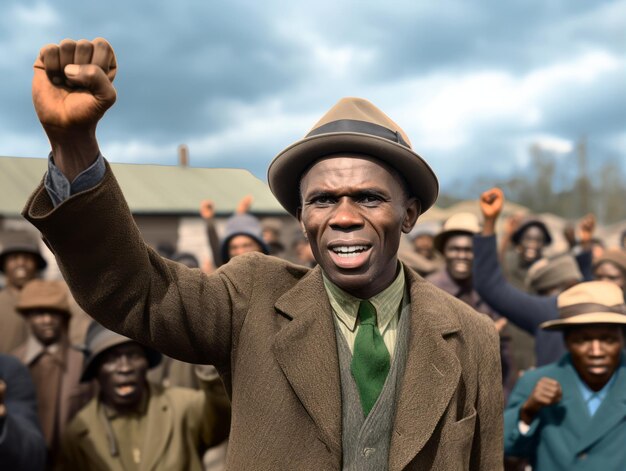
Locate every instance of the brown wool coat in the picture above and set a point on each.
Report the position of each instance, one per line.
(267, 326)
(73, 394)
(13, 327)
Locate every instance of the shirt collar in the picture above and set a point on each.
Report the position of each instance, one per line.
(588, 394)
(387, 302)
(34, 349)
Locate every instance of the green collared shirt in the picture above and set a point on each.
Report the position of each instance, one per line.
(388, 304)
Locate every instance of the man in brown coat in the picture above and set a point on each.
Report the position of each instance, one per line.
(20, 262)
(356, 364)
(54, 364)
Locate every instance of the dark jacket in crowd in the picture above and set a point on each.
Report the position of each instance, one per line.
(22, 446)
(525, 310)
(564, 436)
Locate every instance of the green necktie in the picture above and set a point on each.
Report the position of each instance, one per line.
(370, 359)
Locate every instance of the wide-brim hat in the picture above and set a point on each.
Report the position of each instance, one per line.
(44, 294)
(352, 126)
(457, 224)
(530, 222)
(100, 339)
(547, 273)
(21, 242)
(592, 302)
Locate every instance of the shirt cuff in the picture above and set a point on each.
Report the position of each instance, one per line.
(523, 427)
(58, 186)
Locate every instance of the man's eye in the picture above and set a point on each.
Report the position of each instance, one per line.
(322, 200)
(370, 199)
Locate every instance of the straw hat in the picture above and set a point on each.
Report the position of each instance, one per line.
(457, 224)
(593, 302)
(42, 294)
(352, 126)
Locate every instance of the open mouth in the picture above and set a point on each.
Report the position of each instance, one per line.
(124, 390)
(349, 251)
(350, 256)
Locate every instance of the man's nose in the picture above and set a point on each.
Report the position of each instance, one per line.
(596, 348)
(346, 216)
(124, 365)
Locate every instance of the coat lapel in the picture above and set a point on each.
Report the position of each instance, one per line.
(306, 350)
(431, 376)
(158, 429)
(611, 412)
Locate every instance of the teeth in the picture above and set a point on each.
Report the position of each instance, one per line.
(125, 390)
(349, 250)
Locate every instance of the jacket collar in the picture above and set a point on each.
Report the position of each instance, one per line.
(306, 350)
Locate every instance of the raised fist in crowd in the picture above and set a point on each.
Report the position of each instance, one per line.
(72, 89)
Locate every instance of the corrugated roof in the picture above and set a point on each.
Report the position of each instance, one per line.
(149, 189)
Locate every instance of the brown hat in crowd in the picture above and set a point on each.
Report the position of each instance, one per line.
(98, 340)
(21, 242)
(457, 224)
(592, 302)
(352, 126)
(547, 273)
(530, 222)
(44, 294)
(616, 257)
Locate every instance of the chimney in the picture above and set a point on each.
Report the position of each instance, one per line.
(183, 155)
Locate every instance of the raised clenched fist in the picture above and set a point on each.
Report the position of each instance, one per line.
(547, 392)
(491, 202)
(72, 89)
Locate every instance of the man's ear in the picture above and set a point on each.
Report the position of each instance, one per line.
(412, 212)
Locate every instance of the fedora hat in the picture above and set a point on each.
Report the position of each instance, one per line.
(457, 224)
(98, 340)
(21, 242)
(616, 257)
(592, 302)
(352, 126)
(43, 294)
(547, 273)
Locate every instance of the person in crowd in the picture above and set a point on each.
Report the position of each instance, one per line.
(455, 242)
(528, 241)
(20, 262)
(302, 250)
(527, 311)
(243, 232)
(22, 446)
(271, 232)
(421, 255)
(328, 368)
(622, 240)
(53, 363)
(570, 415)
(135, 425)
(611, 266)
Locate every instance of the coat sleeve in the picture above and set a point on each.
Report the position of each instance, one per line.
(22, 445)
(487, 448)
(524, 310)
(516, 443)
(129, 288)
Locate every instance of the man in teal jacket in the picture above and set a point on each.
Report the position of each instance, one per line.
(571, 415)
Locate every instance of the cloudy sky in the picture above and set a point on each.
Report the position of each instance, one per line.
(473, 84)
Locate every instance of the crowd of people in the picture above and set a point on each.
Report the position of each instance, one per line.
(351, 355)
(93, 399)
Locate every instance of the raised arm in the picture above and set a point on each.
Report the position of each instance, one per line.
(72, 89)
(524, 310)
(113, 275)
